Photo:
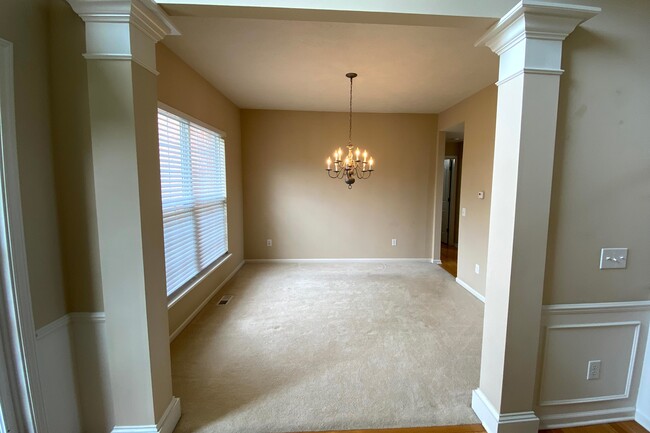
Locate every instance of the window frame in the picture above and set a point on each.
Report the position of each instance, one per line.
(174, 297)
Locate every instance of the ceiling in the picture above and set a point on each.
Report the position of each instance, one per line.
(301, 65)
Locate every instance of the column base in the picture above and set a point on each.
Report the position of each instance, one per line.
(166, 424)
(494, 422)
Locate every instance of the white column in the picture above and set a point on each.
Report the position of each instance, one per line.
(528, 40)
(120, 49)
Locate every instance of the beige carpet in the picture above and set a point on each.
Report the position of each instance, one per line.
(305, 347)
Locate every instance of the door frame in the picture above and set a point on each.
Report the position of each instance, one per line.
(25, 410)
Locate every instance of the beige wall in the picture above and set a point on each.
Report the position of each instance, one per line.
(479, 114)
(182, 88)
(289, 198)
(73, 163)
(24, 23)
(601, 182)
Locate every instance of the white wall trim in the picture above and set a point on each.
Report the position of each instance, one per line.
(65, 321)
(61, 322)
(599, 307)
(146, 15)
(575, 419)
(166, 424)
(642, 418)
(175, 297)
(204, 303)
(630, 372)
(124, 29)
(113, 56)
(436, 261)
(350, 260)
(493, 422)
(18, 333)
(530, 71)
(471, 290)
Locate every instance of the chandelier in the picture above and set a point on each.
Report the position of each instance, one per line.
(352, 167)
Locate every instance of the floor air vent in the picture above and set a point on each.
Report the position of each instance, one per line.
(224, 300)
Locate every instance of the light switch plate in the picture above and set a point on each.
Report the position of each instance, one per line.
(613, 258)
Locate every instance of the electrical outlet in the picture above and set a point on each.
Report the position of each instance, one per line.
(394, 242)
(477, 269)
(269, 242)
(463, 211)
(593, 370)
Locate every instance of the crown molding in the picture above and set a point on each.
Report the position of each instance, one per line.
(146, 15)
(124, 29)
(534, 19)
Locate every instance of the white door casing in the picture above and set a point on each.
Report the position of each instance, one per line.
(22, 400)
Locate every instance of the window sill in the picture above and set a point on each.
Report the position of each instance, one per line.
(174, 298)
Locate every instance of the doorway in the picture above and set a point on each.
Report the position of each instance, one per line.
(451, 180)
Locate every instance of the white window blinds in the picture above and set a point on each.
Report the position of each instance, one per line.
(193, 184)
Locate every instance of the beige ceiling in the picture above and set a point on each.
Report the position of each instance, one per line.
(301, 65)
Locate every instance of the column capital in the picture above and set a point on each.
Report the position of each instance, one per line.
(123, 29)
(534, 19)
(528, 39)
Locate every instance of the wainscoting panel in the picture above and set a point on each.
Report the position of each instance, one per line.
(54, 350)
(564, 377)
(93, 381)
(571, 336)
(74, 375)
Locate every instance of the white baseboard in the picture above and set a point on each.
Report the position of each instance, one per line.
(471, 290)
(166, 424)
(204, 303)
(643, 419)
(351, 260)
(493, 422)
(576, 419)
(436, 261)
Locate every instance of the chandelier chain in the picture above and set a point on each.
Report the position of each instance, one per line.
(350, 117)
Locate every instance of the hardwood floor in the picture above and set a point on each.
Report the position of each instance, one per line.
(617, 427)
(449, 258)
(474, 428)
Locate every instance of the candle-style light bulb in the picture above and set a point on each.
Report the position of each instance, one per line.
(365, 156)
(371, 162)
(357, 152)
(329, 163)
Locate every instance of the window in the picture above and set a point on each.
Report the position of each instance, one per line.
(193, 185)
